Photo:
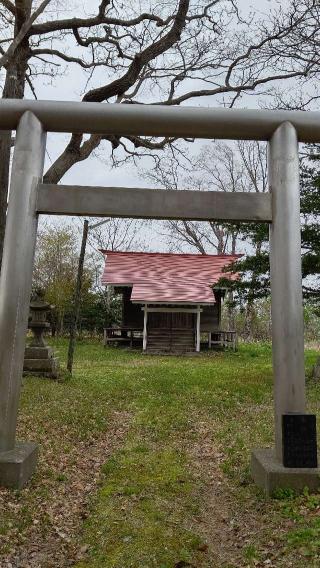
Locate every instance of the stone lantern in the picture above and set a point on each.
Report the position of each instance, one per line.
(39, 358)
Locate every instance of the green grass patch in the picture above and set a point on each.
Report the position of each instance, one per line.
(141, 510)
(149, 508)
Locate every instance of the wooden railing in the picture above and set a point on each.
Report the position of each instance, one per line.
(223, 339)
(126, 334)
(122, 334)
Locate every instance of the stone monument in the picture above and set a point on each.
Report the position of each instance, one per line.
(39, 359)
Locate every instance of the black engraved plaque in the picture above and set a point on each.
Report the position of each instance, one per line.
(299, 440)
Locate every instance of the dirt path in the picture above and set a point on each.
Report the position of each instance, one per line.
(50, 538)
(232, 526)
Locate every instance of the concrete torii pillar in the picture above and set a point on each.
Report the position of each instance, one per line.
(286, 278)
(18, 460)
(287, 312)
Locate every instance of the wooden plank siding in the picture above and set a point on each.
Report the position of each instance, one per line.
(210, 319)
(176, 320)
(132, 315)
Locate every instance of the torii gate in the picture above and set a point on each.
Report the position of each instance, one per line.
(280, 208)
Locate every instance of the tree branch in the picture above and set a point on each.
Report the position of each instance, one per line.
(120, 86)
(72, 23)
(7, 4)
(73, 153)
(231, 89)
(22, 33)
(67, 58)
(101, 40)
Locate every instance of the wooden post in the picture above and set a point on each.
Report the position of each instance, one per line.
(145, 319)
(198, 331)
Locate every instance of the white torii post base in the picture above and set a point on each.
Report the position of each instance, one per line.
(270, 474)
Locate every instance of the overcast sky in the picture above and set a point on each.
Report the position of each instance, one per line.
(68, 87)
(97, 171)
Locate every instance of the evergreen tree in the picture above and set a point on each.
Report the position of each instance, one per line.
(254, 267)
(310, 234)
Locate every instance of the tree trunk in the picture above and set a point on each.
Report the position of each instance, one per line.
(220, 236)
(249, 316)
(77, 298)
(231, 317)
(248, 323)
(13, 89)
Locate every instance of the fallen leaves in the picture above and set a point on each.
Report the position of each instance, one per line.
(52, 508)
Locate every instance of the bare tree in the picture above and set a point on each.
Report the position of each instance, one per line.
(117, 234)
(179, 50)
(299, 42)
(220, 167)
(217, 167)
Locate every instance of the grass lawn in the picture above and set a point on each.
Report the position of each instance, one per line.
(144, 463)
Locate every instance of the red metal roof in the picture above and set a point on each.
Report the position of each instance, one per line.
(166, 277)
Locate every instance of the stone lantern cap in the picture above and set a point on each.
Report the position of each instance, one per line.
(39, 309)
(38, 322)
(38, 304)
